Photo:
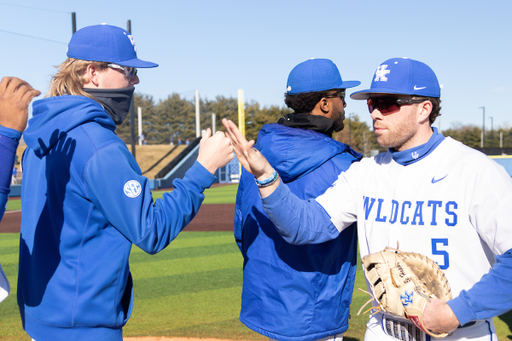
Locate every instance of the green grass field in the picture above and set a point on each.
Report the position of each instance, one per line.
(191, 289)
(217, 195)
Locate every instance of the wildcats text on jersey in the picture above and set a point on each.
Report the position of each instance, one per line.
(432, 212)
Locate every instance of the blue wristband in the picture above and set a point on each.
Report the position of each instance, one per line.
(269, 181)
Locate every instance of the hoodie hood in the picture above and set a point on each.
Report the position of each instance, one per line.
(54, 117)
(295, 152)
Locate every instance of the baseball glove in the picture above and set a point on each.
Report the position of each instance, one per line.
(403, 282)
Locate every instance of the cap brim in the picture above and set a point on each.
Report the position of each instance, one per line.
(138, 63)
(365, 94)
(342, 85)
(348, 84)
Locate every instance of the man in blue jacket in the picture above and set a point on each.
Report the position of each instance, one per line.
(84, 199)
(15, 95)
(427, 194)
(299, 292)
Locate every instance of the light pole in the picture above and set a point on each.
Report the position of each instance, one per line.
(492, 132)
(73, 22)
(349, 132)
(132, 107)
(483, 128)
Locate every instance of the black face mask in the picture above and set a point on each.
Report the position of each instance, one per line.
(116, 102)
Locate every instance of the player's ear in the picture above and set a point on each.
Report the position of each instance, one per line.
(91, 75)
(424, 110)
(324, 105)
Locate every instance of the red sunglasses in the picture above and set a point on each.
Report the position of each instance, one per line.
(389, 104)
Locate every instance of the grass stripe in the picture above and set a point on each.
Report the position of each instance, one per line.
(198, 235)
(8, 250)
(193, 239)
(193, 282)
(217, 195)
(186, 265)
(9, 239)
(189, 252)
(13, 205)
(10, 258)
(184, 311)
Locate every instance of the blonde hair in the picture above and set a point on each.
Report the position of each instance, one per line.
(70, 79)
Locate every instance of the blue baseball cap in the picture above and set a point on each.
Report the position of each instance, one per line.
(402, 76)
(316, 75)
(106, 43)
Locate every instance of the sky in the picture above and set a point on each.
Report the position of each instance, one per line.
(218, 47)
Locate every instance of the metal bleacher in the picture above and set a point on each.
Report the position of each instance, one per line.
(181, 163)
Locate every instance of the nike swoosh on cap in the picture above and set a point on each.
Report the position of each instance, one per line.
(421, 88)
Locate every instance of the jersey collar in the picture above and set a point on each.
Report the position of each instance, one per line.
(410, 156)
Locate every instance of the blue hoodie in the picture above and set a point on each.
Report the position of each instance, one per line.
(295, 292)
(84, 203)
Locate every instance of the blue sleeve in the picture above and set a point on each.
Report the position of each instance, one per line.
(298, 221)
(117, 188)
(489, 297)
(238, 223)
(8, 143)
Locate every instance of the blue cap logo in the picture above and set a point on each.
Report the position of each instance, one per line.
(402, 76)
(132, 41)
(380, 74)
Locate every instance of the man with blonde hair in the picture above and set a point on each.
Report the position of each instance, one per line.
(84, 199)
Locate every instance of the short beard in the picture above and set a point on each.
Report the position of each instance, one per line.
(338, 123)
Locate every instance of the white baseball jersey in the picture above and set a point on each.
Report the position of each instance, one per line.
(454, 206)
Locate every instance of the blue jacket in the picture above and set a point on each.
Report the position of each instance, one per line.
(295, 292)
(84, 203)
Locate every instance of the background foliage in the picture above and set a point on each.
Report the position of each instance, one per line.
(175, 117)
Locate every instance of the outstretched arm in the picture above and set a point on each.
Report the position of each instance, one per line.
(250, 158)
(298, 221)
(15, 95)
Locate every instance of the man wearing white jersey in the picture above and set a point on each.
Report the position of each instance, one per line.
(428, 194)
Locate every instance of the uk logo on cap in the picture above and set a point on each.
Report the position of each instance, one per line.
(380, 74)
(402, 76)
(132, 41)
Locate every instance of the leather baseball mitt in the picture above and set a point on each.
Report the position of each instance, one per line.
(403, 282)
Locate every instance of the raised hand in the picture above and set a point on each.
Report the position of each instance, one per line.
(250, 158)
(214, 151)
(15, 96)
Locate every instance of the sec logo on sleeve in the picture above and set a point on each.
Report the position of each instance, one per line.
(132, 189)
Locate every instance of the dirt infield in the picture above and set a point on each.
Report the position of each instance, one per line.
(212, 217)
